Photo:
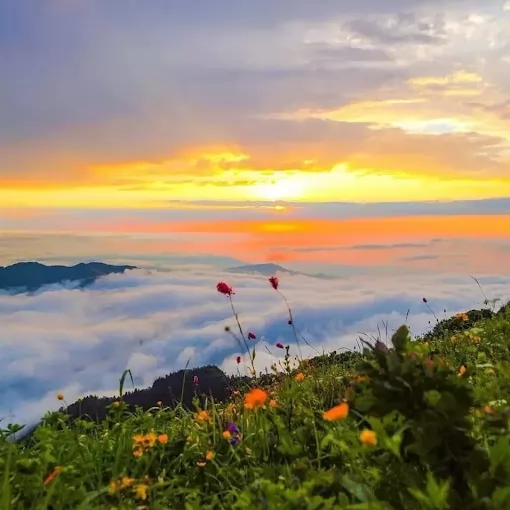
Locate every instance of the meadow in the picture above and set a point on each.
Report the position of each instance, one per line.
(402, 423)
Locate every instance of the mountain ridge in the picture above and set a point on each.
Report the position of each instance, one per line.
(30, 276)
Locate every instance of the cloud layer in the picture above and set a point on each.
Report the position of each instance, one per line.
(79, 342)
(130, 99)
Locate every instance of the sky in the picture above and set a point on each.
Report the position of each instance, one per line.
(129, 104)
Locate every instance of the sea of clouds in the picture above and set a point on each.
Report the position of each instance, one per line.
(80, 341)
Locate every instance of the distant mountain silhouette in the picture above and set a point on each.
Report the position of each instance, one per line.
(270, 269)
(31, 276)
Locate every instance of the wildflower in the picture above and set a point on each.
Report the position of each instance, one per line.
(200, 464)
(462, 370)
(232, 428)
(426, 345)
(272, 403)
(163, 438)
(476, 339)
(235, 440)
(141, 491)
(252, 372)
(209, 455)
(339, 412)
(195, 379)
(429, 363)
(227, 435)
(203, 416)
(52, 475)
(274, 282)
(300, 377)
(462, 316)
(60, 396)
(251, 336)
(279, 345)
(490, 371)
(238, 359)
(368, 437)
(113, 487)
(235, 393)
(159, 403)
(255, 398)
(224, 288)
(137, 451)
(487, 409)
(149, 440)
(424, 300)
(126, 481)
(138, 438)
(116, 403)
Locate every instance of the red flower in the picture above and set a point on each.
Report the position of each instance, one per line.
(274, 282)
(238, 359)
(224, 288)
(279, 345)
(251, 336)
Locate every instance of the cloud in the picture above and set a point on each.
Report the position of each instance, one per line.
(79, 342)
(95, 87)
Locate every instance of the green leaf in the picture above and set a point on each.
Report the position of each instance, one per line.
(400, 339)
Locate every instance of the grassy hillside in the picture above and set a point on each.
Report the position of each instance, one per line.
(415, 424)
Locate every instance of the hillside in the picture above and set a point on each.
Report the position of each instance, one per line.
(31, 276)
(419, 424)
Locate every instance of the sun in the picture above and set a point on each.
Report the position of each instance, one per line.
(280, 189)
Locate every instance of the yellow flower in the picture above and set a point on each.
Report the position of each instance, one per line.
(141, 491)
(149, 440)
(339, 412)
(126, 481)
(300, 377)
(490, 371)
(209, 455)
(255, 398)
(227, 435)
(368, 437)
(116, 403)
(113, 487)
(138, 438)
(272, 403)
(60, 396)
(462, 370)
(137, 451)
(163, 438)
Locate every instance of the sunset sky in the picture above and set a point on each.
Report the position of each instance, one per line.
(131, 104)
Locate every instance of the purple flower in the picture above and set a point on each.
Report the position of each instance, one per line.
(232, 428)
(235, 440)
(195, 379)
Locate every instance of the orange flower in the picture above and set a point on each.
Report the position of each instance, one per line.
(203, 416)
(163, 438)
(300, 377)
(462, 370)
(60, 396)
(149, 440)
(209, 455)
(339, 412)
(255, 398)
(462, 316)
(272, 403)
(137, 451)
(368, 437)
(141, 491)
(227, 435)
(52, 475)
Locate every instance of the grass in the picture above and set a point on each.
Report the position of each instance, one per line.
(415, 424)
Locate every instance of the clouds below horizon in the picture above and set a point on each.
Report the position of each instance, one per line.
(79, 342)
